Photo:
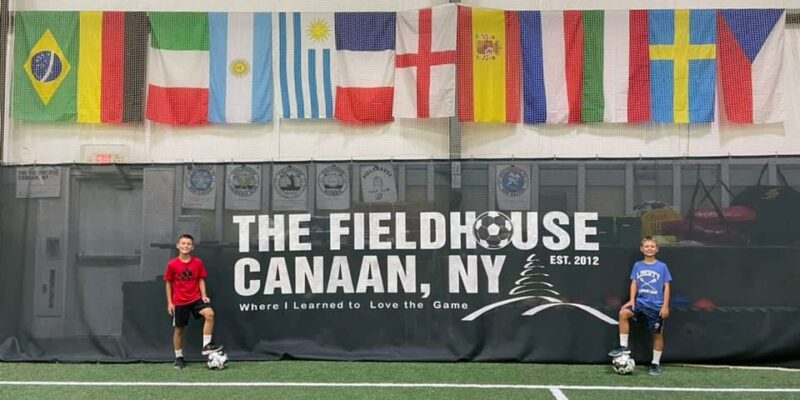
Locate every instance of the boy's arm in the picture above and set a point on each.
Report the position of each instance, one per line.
(203, 291)
(632, 295)
(665, 308)
(170, 306)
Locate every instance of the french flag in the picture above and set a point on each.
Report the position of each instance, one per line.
(750, 44)
(365, 54)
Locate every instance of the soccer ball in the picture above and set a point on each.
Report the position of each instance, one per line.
(493, 230)
(623, 364)
(217, 360)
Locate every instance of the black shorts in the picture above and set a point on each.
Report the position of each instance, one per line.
(654, 321)
(184, 312)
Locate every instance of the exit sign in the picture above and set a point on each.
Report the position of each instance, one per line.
(104, 153)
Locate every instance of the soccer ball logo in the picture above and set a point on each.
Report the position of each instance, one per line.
(623, 364)
(217, 360)
(493, 230)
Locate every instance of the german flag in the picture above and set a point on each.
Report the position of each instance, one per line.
(111, 66)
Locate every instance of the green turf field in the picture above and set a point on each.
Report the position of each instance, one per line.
(370, 380)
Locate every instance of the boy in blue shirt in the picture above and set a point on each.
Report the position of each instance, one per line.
(649, 300)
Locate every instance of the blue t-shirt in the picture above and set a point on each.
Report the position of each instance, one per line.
(650, 280)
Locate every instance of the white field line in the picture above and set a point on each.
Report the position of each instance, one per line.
(744, 367)
(558, 394)
(400, 385)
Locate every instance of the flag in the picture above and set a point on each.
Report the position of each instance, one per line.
(365, 55)
(333, 187)
(178, 68)
(625, 67)
(426, 56)
(306, 42)
(638, 102)
(488, 65)
(683, 52)
(378, 183)
(240, 52)
(243, 187)
(200, 187)
(513, 187)
(111, 66)
(750, 61)
(574, 65)
(45, 60)
(85, 67)
(290, 187)
(616, 67)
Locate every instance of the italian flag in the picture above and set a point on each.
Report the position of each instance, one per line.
(178, 68)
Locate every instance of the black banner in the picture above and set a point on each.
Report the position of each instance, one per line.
(430, 279)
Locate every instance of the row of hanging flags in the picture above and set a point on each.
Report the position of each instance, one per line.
(483, 65)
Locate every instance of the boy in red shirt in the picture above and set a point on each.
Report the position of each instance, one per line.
(186, 297)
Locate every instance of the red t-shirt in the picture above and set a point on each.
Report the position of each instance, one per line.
(185, 278)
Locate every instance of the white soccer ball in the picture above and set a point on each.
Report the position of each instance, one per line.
(217, 360)
(623, 364)
(493, 230)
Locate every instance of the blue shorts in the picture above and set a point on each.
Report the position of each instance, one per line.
(654, 321)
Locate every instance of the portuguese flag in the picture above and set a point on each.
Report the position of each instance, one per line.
(178, 68)
(79, 66)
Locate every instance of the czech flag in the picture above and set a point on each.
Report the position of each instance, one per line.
(750, 61)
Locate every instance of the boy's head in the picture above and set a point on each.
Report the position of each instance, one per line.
(185, 244)
(649, 246)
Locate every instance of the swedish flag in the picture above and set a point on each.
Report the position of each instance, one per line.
(683, 52)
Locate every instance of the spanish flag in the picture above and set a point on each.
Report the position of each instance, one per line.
(488, 65)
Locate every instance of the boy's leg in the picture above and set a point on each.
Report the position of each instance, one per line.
(625, 315)
(177, 343)
(177, 338)
(658, 341)
(658, 348)
(208, 325)
(208, 330)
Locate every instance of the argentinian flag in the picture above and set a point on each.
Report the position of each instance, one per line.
(241, 67)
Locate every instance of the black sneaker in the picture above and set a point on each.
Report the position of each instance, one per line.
(619, 351)
(180, 363)
(655, 369)
(211, 348)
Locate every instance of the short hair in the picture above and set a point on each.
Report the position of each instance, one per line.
(186, 236)
(649, 239)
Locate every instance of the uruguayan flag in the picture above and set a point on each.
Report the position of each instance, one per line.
(241, 67)
(306, 42)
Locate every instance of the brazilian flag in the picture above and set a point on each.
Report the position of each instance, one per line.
(45, 66)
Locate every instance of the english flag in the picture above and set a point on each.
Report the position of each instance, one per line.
(426, 63)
